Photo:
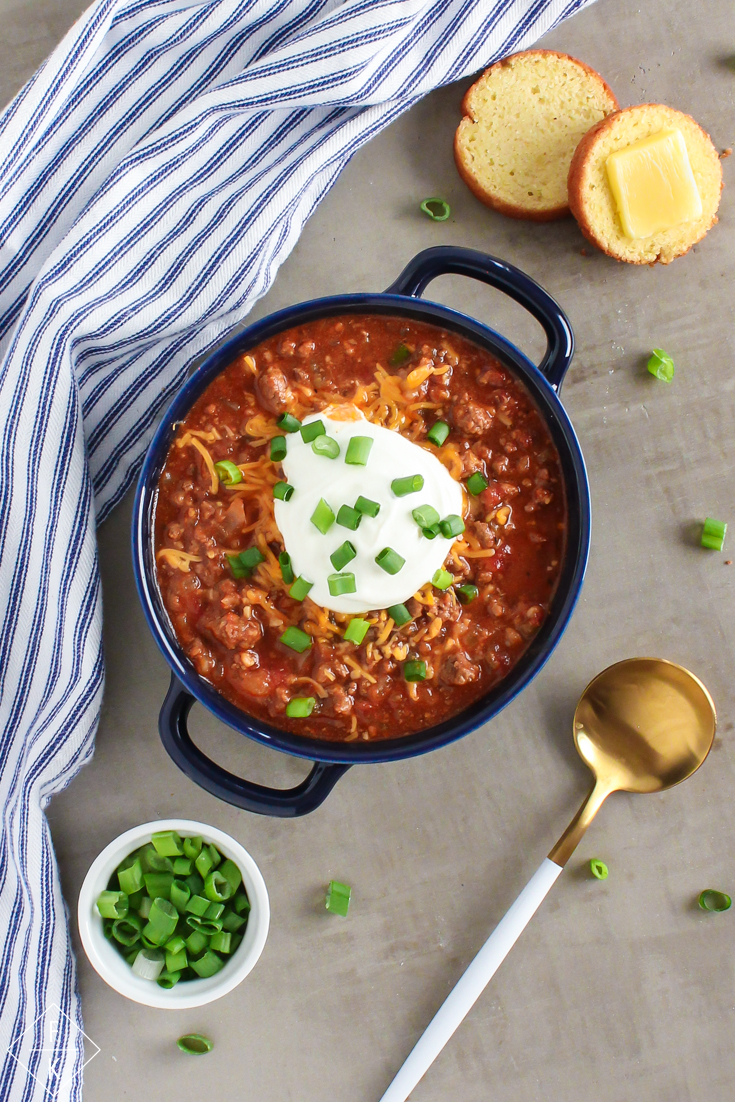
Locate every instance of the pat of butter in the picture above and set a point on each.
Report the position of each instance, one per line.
(653, 185)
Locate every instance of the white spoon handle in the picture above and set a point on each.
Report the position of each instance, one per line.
(468, 989)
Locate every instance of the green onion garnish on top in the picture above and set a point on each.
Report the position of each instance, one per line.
(243, 564)
(299, 707)
(284, 561)
(338, 898)
(598, 869)
(436, 208)
(425, 515)
(438, 433)
(288, 423)
(341, 583)
(414, 670)
(713, 534)
(466, 593)
(366, 506)
(312, 430)
(411, 484)
(399, 614)
(322, 518)
(401, 354)
(451, 526)
(326, 446)
(442, 579)
(195, 1044)
(349, 517)
(661, 365)
(278, 448)
(431, 532)
(358, 450)
(476, 483)
(356, 630)
(296, 639)
(283, 491)
(344, 554)
(390, 561)
(300, 588)
(228, 473)
(712, 900)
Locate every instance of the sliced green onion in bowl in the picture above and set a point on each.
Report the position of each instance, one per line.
(713, 534)
(452, 525)
(425, 516)
(288, 423)
(366, 506)
(341, 583)
(300, 588)
(312, 430)
(399, 614)
(599, 869)
(390, 561)
(438, 433)
(358, 450)
(356, 630)
(714, 901)
(148, 964)
(228, 473)
(410, 484)
(437, 209)
(283, 491)
(661, 365)
(349, 517)
(442, 579)
(296, 639)
(278, 448)
(476, 483)
(414, 670)
(284, 561)
(400, 356)
(299, 707)
(195, 1044)
(112, 904)
(326, 446)
(466, 593)
(345, 553)
(322, 518)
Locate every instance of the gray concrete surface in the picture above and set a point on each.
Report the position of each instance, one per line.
(621, 990)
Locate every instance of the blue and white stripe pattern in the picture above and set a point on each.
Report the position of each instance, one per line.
(157, 171)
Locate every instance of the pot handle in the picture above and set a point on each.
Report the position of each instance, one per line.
(451, 260)
(286, 803)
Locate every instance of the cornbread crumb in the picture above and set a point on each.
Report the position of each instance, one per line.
(725, 153)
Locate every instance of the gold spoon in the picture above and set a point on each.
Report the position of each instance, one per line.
(641, 726)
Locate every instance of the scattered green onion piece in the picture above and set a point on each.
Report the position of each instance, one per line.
(322, 518)
(284, 561)
(326, 446)
(112, 904)
(713, 534)
(228, 473)
(221, 942)
(175, 962)
(130, 875)
(148, 964)
(712, 900)
(252, 557)
(415, 670)
(217, 888)
(425, 515)
(366, 506)
(358, 450)
(431, 532)
(466, 593)
(442, 579)
(288, 423)
(167, 843)
(436, 208)
(193, 846)
(207, 965)
(204, 863)
(349, 517)
(399, 614)
(194, 1044)
(232, 922)
(196, 943)
(296, 639)
(390, 561)
(345, 553)
(283, 491)
(312, 430)
(158, 884)
(180, 894)
(452, 525)
(411, 484)
(299, 707)
(476, 483)
(127, 930)
(356, 631)
(598, 869)
(278, 448)
(401, 354)
(341, 583)
(300, 588)
(338, 898)
(241, 903)
(661, 365)
(182, 866)
(438, 433)
(167, 980)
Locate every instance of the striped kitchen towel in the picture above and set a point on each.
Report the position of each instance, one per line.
(155, 173)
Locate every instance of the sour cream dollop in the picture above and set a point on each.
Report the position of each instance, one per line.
(315, 476)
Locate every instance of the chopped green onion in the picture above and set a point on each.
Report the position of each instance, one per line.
(182, 866)
(712, 900)
(283, 491)
(399, 614)
(312, 430)
(242, 565)
(193, 847)
(442, 579)
(174, 945)
(338, 898)
(414, 670)
(661, 365)
(217, 888)
(296, 639)
(356, 630)
(476, 483)
(437, 209)
(344, 554)
(358, 450)
(196, 943)
(233, 922)
(278, 448)
(326, 446)
(204, 862)
(161, 921)
(401, 354)
(167, 980)
(238, 570)
(452, 525)
(466, 593)
(148, 964)
(145, 906)
(431, 532)
(158, 884)
(232, 874)
(175, 962)
(153, 862)
(198, 905)
(127, 930)
(180, 894)
(438, 433)
(713, 534)
(130, 875)
(207, 965)
(411, 484)
(425, 515)
(598, 869)
(284, 561)
(288, 423)
(299, 707)
(349, 517)
(322, 518)
(215, 910)
(366, 506)
(221, 942)
(300, 588)
(241, 903)
(390, 561)
(167, 843)
(194, 1044)
(341, 583)
(195, 883)
(228, 473)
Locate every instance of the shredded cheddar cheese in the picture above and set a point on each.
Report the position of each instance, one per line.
(179, 560)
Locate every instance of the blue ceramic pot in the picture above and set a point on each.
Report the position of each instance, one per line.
(334, 758)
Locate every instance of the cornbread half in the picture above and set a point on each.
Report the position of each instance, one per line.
(523, 120)
(591, 199)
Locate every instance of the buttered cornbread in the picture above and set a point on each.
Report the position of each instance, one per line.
(523, 120)
(645, 184)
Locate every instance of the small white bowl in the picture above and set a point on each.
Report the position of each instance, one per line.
(115, 970)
